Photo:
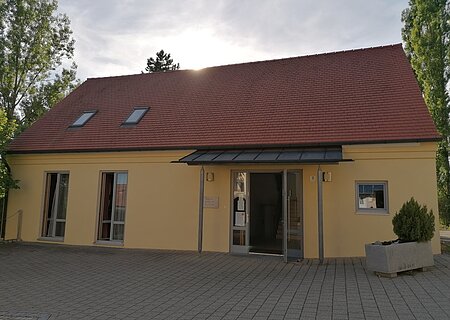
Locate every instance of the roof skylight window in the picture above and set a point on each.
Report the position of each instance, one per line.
(136, 115)
(84, 118)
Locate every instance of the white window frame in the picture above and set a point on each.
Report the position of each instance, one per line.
(112, 222)
(54, 218)
(381, 211)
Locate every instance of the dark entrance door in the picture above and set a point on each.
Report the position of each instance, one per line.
(266, 212)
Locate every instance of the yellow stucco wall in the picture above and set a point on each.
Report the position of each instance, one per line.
(409, 171)
(162, 200)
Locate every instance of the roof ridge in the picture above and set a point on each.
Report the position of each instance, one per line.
(136, 74)
(308, 55)
(143, 74)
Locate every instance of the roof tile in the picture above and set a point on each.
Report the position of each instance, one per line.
(360, 96)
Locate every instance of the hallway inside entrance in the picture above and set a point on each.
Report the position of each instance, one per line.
(266, 222)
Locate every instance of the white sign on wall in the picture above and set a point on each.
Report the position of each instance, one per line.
(211, 202)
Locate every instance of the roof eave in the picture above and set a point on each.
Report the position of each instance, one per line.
(254, 146)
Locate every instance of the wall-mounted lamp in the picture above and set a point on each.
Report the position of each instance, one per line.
(326, 176)
(210, 176)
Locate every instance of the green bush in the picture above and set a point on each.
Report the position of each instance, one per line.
(413, 222)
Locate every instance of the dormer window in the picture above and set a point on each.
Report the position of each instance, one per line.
(84, 118)
(136, 115)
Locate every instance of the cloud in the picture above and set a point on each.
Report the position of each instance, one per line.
(318, 25)
(116, 36)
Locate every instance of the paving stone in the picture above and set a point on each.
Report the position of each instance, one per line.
(41, 282)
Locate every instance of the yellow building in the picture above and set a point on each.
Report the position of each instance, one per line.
(302, 157)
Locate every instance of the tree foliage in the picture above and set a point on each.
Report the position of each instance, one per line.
(426, 34)
(36, 67)
(7, 129)
(35, 43)
(163, 62)
(413, 222)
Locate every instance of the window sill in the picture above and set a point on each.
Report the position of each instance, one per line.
(372, 212)
(109, 243)
(51, 239)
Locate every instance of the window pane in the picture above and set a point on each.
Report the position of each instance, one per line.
(60, 227)
(122, 178)
(81, 121)
(105, 231)
(106, 206)
(119, 214)
(121, 196)
(51, 180)
(136, 116)
(107, 195)
(368, 189)
(62, 196)
(48, 204)
(371, 196)
(379, 199)
(49, 228)
(118, 231)
(239, 237)
(239, 199)
(240, 182)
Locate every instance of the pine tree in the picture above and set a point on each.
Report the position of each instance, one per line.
(162, 63)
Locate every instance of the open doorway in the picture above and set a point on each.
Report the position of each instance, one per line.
(266, 203)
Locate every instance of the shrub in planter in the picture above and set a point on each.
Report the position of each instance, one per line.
(413, 222)
(414, 226)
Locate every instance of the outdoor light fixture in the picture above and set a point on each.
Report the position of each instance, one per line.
(326, 176)
(210, 176)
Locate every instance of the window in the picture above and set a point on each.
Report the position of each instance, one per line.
(372, 196)
(136, 115)
(112, 206)
(83, 119)
(55, 206)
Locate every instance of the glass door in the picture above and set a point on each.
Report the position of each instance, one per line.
(293, 215)
(240, 213)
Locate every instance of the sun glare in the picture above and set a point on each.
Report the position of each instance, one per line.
(200, 48)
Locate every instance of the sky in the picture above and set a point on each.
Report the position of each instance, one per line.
(116, 37)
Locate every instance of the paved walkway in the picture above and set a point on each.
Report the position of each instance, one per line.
(60, 282)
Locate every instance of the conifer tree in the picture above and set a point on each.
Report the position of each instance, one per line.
(163, 62)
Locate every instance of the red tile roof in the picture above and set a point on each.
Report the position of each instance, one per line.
(360, 96)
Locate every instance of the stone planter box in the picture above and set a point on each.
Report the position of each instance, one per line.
(397, 257)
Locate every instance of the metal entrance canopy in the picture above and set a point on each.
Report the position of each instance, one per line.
(285, 155)
(307, 155)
